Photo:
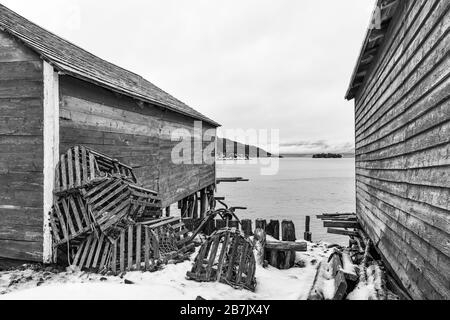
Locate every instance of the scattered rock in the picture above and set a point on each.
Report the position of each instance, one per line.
(313, 262)
(200, 298)
(103, 279)
(126, 281)
(300, 264)
(40, 282)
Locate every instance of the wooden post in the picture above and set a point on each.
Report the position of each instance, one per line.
(260, 244)
(210, 227)
(308, 234)
(203, 203)
(261, 224)
(246, 226)
(288, 230)
(51, 152)
(220, 224)
(288, 234)
(233, 224)
(195, 205)
(273, 229)
(168, 211)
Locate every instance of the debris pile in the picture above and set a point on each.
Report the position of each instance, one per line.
(353, 273)
(102, 220)
(227, 257)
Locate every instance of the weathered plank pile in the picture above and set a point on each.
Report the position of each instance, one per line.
(357, 265)
(101, 220)
(227, 257)
(341, 223)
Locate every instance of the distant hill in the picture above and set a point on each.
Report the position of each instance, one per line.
(227, 148)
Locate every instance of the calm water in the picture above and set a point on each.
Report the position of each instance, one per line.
(302, 187)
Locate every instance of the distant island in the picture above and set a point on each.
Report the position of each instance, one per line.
(232, 150)
(327, 156)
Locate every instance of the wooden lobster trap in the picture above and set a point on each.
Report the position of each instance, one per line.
(139, 247)
(110, 206)
(70, 218)
(227, 257)
(80, 167)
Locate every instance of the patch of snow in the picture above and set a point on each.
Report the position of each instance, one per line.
(170, 283)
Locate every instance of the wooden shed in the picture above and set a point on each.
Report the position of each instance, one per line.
(54, 95)
(401, 90)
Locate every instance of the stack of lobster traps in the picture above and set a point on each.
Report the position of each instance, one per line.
(103, 221)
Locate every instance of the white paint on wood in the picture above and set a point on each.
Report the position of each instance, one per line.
(51, 150)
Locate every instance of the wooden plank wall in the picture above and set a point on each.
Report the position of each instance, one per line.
(403, 148)
(21, 151)
(137, 135)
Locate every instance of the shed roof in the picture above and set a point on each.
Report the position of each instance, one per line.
(379, 24)
(72, 60)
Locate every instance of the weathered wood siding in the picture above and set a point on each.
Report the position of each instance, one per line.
(403, 148)
(138, 135)
(21, 151)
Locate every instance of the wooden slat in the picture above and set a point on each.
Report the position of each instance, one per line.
(105, 191)
(106, 252)
(285, 245)
(83, 210)
(68, 217)
(78, 254)
(62, 221)
(138, 246)
(114, 257)
(55, 229)
(130, 247)
(232, 258)
(86, 250)
(84, 165)
(99, 250)
(75, 213)
(155, 244)
(91, 252)
(212, 256)
(122, 251)
(147, 248)
(70, 169)
(63, 171)
(342, 232)
(77, 166)
(111, 195)
(92, 166)
(163, 223)
(341, 224)
(242, 262)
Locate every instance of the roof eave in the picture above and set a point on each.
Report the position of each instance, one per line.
(389, 8)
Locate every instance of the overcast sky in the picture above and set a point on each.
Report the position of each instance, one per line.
(261, 64)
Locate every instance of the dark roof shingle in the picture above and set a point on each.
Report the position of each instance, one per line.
(71, 59)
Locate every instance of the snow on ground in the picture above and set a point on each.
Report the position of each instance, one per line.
(170, 283)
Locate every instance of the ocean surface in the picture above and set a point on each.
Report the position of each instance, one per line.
(301, 187)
